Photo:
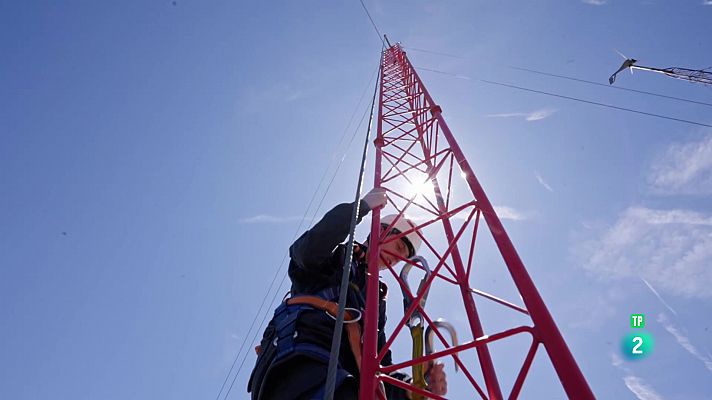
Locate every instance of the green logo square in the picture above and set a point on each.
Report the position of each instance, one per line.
(637, 320)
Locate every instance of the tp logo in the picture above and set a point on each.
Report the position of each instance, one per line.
(637, 321)
(638, 344)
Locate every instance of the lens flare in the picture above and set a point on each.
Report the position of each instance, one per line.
(420, 189)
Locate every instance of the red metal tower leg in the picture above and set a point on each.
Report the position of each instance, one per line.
(369, 363)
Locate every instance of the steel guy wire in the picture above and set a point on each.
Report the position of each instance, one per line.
(378, 32)
(298, 230)
(606, 105)
(610, 86)
(284, 276)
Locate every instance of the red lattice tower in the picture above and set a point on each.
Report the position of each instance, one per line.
(414, 147)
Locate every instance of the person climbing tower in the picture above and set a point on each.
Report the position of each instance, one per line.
(293, 354)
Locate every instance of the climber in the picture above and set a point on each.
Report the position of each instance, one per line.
(294, 351)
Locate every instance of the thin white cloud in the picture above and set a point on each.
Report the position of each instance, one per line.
(664, 217)
(655, 292)
(293, 95)
(616, 360)
(542, 182)
(640, 389)
(684, 341)
(510, 213)
(595, 2)
(635, 384)
(707, 2)
(528, 116)
(684, 168)
(667, 249)
(671, 249)
(260, 98)
(600, 307)
(503, 212)
(268, 219)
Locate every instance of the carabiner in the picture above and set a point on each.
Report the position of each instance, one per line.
(430, 332)
(416, 318)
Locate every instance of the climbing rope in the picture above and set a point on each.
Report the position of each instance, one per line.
(336, 339)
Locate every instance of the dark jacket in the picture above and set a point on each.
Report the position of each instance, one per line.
(316, 265)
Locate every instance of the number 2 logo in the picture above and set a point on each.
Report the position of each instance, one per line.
(636, 348)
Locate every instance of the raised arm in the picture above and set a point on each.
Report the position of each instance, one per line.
(316, 245)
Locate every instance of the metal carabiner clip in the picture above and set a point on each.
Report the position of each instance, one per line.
(430, 332)
(416, 319)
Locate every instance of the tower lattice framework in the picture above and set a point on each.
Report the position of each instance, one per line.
(416, 149)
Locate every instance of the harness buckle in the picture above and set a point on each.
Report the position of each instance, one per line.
(351, 321)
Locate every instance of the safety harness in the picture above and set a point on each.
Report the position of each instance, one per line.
(285, 320)
(283, 344)
(351, 318)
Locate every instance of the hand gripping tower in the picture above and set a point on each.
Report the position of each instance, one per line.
(415, 158)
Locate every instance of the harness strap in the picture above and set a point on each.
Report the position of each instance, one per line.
(353, 329)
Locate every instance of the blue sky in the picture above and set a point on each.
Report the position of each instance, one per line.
(156, 159)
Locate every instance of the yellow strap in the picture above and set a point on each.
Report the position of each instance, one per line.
(418, 369)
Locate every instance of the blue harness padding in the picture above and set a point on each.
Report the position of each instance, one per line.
(285, 346)
(285, 323)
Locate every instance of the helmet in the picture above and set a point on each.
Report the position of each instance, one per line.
(403, 224)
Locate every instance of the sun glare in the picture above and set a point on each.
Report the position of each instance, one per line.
(420, 189)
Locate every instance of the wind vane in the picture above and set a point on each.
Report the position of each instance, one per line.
(693, 75)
